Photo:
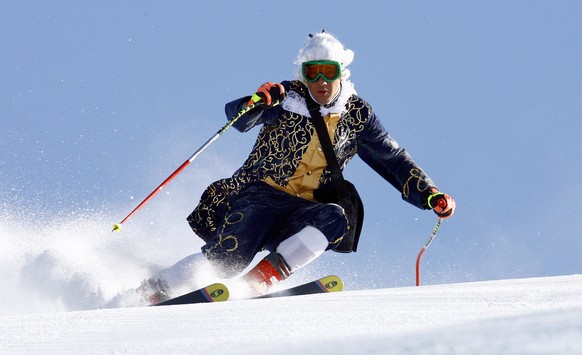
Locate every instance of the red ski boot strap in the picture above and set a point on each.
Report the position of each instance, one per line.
(271, 266)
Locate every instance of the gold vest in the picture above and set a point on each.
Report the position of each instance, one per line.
(306, 177)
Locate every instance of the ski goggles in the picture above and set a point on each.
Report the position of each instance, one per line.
(329, 70)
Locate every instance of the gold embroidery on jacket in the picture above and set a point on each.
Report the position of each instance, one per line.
(310, 169)
(421, 184)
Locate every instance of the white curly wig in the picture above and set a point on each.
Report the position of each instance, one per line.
(324, 46)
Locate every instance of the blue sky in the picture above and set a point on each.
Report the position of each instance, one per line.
(101, 101)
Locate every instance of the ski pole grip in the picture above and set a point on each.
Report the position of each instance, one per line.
(437, 199)
(442, 202)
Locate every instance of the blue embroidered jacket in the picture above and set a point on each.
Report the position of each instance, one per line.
(282, 141)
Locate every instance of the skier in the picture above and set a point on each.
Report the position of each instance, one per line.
(275, 201)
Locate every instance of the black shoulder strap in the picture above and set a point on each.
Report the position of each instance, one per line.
(336, 173)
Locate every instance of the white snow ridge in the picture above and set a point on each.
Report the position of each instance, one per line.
(523, 316)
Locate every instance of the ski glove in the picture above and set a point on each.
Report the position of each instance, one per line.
(270, 94)
(442, 204)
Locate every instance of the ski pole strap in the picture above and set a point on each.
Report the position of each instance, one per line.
(256, 98)
(439, 200)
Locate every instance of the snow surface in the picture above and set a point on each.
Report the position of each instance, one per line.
(536, 315)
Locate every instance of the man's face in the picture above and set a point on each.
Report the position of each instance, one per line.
(322, 91)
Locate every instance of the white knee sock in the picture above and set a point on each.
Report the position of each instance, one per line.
(192, 272)
(302, 248)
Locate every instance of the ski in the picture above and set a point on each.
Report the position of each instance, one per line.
(212, 293)
(326, 284)
(218, 292)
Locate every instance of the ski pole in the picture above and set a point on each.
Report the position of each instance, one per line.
(117, 226)
(426, 245)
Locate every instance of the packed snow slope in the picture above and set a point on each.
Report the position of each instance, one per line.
(537, 315)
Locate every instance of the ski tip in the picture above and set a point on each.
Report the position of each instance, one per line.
(332, 283)
(116, 227)
(217, 292)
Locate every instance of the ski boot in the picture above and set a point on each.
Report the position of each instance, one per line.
(269, 271)
(154, 291)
